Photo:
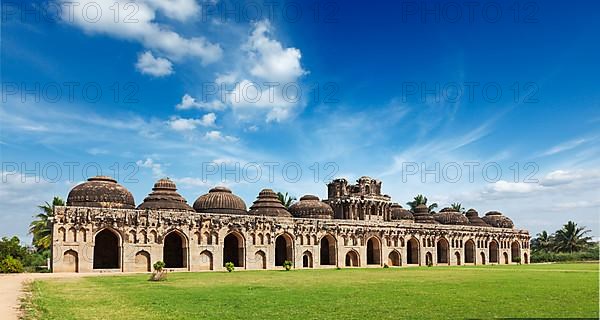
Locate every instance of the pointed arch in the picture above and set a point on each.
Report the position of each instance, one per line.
(206, 260)
(70, 261)
(328, 250)
(493, 252)
(234, 249)
(260, 259)
(443, 251)
(457, 256)
(482, 258)
(515, 251)
(142, 261)
(352, 259)
(107, 249)
(394, 259)
(469, 251)
(374, 251)
(284, 248)
(175, 249)
(412, 251)
(307, 259)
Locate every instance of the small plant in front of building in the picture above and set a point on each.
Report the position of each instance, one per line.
(287, 265)
(159, 273)
(430, 263)
(385, 266)
(229, 266)
(517, 260)
(11, 265)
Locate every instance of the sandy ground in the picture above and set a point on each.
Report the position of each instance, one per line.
(11, 289)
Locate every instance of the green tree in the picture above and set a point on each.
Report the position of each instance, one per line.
(41, 228)
(11, 247)
(542, 241)
(457, 206)
(571, 238)
(285, 199)
(421, 199)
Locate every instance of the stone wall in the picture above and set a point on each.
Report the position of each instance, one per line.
(137, 238)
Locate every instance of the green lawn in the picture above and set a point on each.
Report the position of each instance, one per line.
(559, 290)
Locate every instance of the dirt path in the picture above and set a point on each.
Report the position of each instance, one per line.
(11, 289)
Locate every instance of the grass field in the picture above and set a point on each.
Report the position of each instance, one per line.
(559, 290)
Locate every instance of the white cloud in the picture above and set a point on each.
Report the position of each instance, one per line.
(136, 21)
(189, 102)
(215, 135)
(156, 168)
(182, 124)
(565, 146)
(270, 60)
(157, 67)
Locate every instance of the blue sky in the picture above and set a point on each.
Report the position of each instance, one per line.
(383, 89)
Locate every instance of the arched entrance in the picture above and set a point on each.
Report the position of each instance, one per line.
(327, 250)
(505, 255)
(525, 258)
(233, 249)
(457, 256)
(142, 261)
(106, 250)
(428, 259)
(493, 252)
(394, 259)
(470, 251)
(260, 260)
(70, 261)
(373, 251)
(206, 260)
(482, 258)
(515, 251)
(443, 251)
(307, 261)
(174, 249)
(352, 259)
(412, 251)
(283, 249)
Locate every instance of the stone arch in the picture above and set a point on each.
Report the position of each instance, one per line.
(412, 251)
(206, 260)
(153, 237)
(62, 234)
(428, 258)
(143, 237)
(261, 239)
(374, 251)
(493, 252)
(70, 261)
(470, 251)
(83, 233)
(525, 258)
(131, 236)
(482, 257)
(443, 251)
(328, 250)
(307, 240)
(206, 238)
(352, 259)
(307, 259)
(107, 249)
(142, 261)
(505, 255)
(260, 259)
(394, 259)
(515, 251)
(457, 256)
(214, 238)
(284, 249)
(72, 235)
(198, 237)
(175, 249)
(233, 249)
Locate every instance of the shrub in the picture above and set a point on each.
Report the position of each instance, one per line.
(385, 266)
(517, 260)
(430, 263)
(229, 266)
(545, 256)
(159, 273)
(11, 265)
(287, 265)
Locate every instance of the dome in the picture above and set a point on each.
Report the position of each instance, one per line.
(220, 200)
(422, 215)
(310, 206)
(450, 216)
(474, 218)
(164, 196)
(496, 219)
(267, 204)
(102, 192)
(399, 213)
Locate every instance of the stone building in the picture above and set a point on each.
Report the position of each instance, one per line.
(101, 230)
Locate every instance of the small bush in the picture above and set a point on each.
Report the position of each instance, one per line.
(287, 265)
(11, 265)
(430, 263)
(159, 273)
(385, 266)
(517, 260)
(229, 266)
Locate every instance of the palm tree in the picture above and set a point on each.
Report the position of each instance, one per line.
(542, 241)
(457, 206)
(571, 238)
(285, 199)
(41, 227)
(421, 199)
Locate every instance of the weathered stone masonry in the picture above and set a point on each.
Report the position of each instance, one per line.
(111, 237)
